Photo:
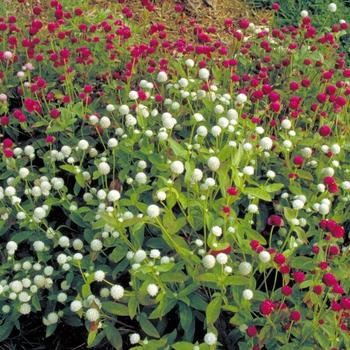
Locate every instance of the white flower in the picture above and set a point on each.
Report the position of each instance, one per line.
(264, 256)
(99, 276)
(93, 119)
(117, 292)
(222, 258)
(241, 98)
(183, 82)
(154, 254)
(204, 73)
(304, 13)
(105, 122)
(133, 95)
(216, 230)
(253, 208)
(332, 7)
(162, 77)
(219, 109)
(177, 167)
(161, 195)
(153, 211)
(213, 163)
(124, 109)
(76, 305)
(38, 246)
(23, 173)
(198, 117)
(197, 175)
(248, 170)
(92, 315)
(140, 255)
(8, 55)
(202, 131)
(323, 209)
(298, 204)
(96, 245)
(208, 261)
(270, 174)
(134, 338)
(25, 309)
(247, 146)
(286, 124)
(245, 268)
(104, 168)
(113, 195)
(247, 294)
(345, 185)
(321, 187)
(39, 213)
(335, 148)
(210, 338)
(266, 143)
(189, 63)
(110, 108)
(52, 318)
(141, 178)
(216, 130)
(306, 152)
(16, 286)
(11, 246)
(152, 290)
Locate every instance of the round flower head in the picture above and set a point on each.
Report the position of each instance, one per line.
(153, 211)
(134, 338)
(117, 292)
(241, 98)
(247, 294)
(245, 268)
(208, 261)
(152, 290)
(210, 338)
(162, 77)
(332, 7)
(92, 315)
(204, 73)
(266, 143)
(177, 167)
(213, 163)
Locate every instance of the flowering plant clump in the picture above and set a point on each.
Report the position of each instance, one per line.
(165, 194)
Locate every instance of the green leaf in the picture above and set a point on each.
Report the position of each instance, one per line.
(91, 337)
(183, 345)
(114, 337)
(22, 236)
(236, 281)
(147, 326)
(207, 277)
(258, 193)
(50, 330)
(132, 306)
(86, 291)
(115, 308)
(273, 187)
(176, 147)
(118, 253)
(290, 213)
(186, 319)
(302, 262)
(213, 310)
(174, 277)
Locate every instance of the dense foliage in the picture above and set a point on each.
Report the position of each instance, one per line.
(166, 194)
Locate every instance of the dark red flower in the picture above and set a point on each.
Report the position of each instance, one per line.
(295, 316)
(267, 307)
